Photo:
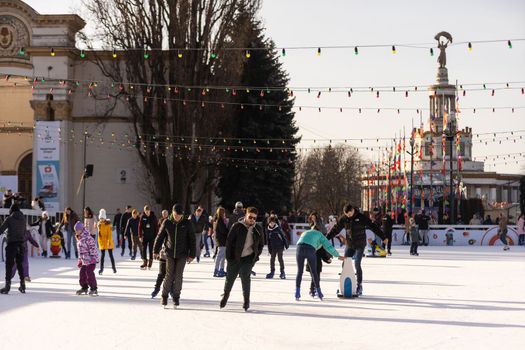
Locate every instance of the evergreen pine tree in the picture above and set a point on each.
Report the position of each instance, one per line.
(265, 179)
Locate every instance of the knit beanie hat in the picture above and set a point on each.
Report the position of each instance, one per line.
(102, 214)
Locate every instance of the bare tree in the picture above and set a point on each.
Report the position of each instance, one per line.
(189, 31)
(326, 179)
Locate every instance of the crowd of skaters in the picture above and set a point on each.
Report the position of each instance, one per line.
(236, 242)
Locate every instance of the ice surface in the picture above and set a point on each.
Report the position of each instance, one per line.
(447, 298)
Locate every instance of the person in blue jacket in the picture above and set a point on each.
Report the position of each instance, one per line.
(307, 246)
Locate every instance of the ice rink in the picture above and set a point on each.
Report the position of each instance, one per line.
(447, 298)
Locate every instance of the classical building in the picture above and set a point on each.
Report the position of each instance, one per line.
(444, 147)
(51, 128)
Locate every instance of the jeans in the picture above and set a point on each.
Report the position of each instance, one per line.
(357, 253)
(279, 253)
(71, 236)
(306, 251)
(173, 279)
(319, 269)
(242, 268)
(220, 259)
(103, 255)
(204, 237)
(43, 242)
(14, 256)
(87, 276)
(124, 239)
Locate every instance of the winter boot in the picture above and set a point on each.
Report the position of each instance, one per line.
(222, 273)
(282, 275)
(6, 288)
(82, 291)
(22, 287)
(297, 293)
(155, 292)
(319, 293)
(270, 275)
(93, 292)
(150, 263)
(224, 299)
(144, 265)
(359, 290)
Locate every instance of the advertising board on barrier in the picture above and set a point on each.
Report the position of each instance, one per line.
(441, 235)
(48, 163)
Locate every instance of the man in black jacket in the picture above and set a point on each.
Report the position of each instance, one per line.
(15, 225)
(178, 239)
(422, 222)
(123, 223)
(117, 228)
(387, 226)
(147, 232)
(356, 224)
(244, 245)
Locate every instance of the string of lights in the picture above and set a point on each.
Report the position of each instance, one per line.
(147, 52)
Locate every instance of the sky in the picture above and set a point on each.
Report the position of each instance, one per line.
(353, 22)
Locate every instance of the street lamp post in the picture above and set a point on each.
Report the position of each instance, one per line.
(412, 142)
(450, 138)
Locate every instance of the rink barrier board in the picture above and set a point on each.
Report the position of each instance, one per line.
(460, 235)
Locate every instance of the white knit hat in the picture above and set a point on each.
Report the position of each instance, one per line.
(102, 214)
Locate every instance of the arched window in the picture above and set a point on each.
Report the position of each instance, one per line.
(25, 175)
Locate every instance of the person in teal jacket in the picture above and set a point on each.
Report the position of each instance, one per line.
(307, 246)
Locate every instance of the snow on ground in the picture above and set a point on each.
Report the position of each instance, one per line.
(447, 298)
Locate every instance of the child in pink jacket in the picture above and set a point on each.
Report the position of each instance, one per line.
(87, 260)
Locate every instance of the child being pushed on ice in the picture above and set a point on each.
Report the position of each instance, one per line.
(87, 260)
(307, 246)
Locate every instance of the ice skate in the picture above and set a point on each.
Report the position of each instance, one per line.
(82, 291)
(282, 276)
(93, 293)
(319, 294)
(359, 290)
(297, 294)
(270, 275)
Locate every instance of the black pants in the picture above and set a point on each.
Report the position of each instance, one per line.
(389, 244)
(14, 254)
(241, 268)
(173, 279)
(413, 247)
(319, 269)
(147, 242)
(308, 252)
(103, 255)
(128, 236)
(279, 253)
(161, 275)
